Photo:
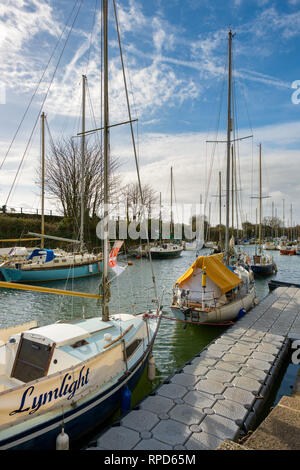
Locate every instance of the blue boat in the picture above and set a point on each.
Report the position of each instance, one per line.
(263, 265)
(44, 265)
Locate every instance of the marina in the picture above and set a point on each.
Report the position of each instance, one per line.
(136, 316)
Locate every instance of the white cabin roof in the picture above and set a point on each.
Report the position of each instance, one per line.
(58, 333)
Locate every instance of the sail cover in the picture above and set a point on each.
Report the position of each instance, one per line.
(222, 276)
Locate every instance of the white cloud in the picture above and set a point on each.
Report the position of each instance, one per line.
(187, 154)
(20, 21)
(160, 77)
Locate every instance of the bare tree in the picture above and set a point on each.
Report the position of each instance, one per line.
(63, 178)
(131, 194)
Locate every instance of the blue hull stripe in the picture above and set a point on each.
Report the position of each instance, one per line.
(17, 275)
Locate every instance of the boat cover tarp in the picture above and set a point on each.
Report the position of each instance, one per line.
(39, 252)
(215, 270)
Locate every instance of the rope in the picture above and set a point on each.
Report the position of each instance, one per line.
(229, 323)
(134, 147)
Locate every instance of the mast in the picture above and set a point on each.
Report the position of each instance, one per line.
(105, 287)
(220, 209)
(291, 219)
(82, 166)
(43, 180)
(134, 148)
(232, 191)
(272, 220)
(255, 224)
(283, 221)
(172, 231)
(260, 201)
(229, 128)
(236, 200)
(160, 221)
(209, 215)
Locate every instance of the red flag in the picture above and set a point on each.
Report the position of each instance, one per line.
(112, 262)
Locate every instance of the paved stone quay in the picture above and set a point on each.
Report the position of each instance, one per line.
(219, 394)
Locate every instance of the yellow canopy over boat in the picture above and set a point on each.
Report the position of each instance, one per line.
(222, 276)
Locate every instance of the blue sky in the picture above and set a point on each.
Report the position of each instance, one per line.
(175, 52)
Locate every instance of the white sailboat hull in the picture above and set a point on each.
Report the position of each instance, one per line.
(225, 313)
(81, 395)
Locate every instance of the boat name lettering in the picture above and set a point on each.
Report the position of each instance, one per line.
(66, 388)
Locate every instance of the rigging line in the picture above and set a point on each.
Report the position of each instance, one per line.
(243, 93)
(134, 147)
(42, 105)
(54, 147)
(49, 132)
(91, 38)
(93, 116)
(175, 199)
(18, 176)
(236, 149)
(235, 144)
(239, 206)
(215, 143)
(37, 87)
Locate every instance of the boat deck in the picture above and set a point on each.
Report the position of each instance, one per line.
(219, 394)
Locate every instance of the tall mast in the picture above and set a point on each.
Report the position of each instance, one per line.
(272, 219)
(236, 200)
(134, 149)
(105, 287)
(260, 201)
(232, 190)
(283, 221)
(255, 223)
(82, 210)
(291, 219)
(160, 221)
(229, 128)
(43, 180)
(220, 208)
(209, 215)
(172, 203)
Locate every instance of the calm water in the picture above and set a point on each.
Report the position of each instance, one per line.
(133, 291)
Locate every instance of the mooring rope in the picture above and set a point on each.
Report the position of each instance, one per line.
(229, 323)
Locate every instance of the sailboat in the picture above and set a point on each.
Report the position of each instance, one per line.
(167, 249)
(214, 289)
(269, 246)
(263, 264)
(198, 243)
(59, 381)
(54, 265)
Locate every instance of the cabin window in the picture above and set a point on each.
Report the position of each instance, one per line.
(32, 360)
(133, 347)
(79, 343)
